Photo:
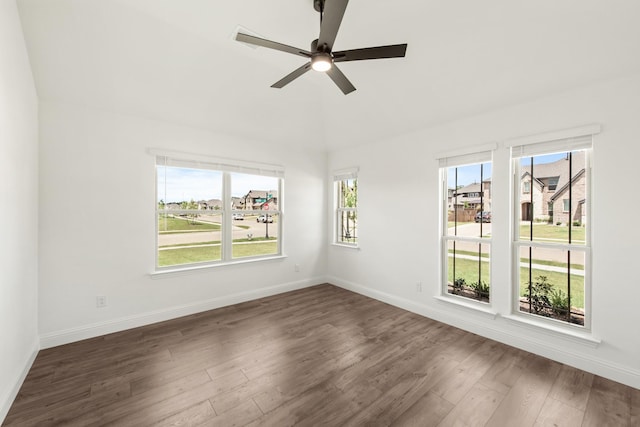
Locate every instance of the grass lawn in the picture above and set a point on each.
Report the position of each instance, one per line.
(552, 233)
(201, 253)
(255, 249)
(468, 270)
(188, 255)
(171, 224)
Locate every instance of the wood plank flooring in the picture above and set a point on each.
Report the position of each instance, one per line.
(318, 356)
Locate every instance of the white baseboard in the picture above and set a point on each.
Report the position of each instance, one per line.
(67, 336)
(9, 395)
(510, 334)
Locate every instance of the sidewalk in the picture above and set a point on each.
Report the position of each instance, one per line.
(526, 265)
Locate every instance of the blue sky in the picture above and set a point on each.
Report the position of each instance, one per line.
(471, 173)
(468, 174)
(183, 184)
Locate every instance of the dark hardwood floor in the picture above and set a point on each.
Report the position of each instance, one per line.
(318, 356)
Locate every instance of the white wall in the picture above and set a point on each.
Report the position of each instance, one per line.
(97, 237)
(399, 223)
(19, 212)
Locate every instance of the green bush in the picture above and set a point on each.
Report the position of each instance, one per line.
(559, 302)
(458, 285)
(481, 289)
(539, 297)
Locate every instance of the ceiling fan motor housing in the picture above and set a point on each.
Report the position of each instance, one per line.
(318, 5)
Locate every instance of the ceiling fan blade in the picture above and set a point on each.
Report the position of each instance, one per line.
(246, 38)
(292, 76)
(379, 52)
(340, 80)
(331, 19)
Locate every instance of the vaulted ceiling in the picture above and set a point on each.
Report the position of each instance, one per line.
(176, 60)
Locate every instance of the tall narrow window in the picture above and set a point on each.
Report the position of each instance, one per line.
(345, 184)
(211, 212)
(552, 245)
(466, 238)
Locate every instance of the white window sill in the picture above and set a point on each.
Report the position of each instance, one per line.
(579, 336)
(470, 305)
(189, 269)
(344, 245)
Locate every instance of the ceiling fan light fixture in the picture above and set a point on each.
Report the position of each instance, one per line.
(321, 62)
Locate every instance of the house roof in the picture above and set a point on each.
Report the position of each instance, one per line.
(471, 188)
(261, 194)
(561, 190)
(559, 168)
(177, 61)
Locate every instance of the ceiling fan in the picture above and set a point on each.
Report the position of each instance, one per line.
(321, 56)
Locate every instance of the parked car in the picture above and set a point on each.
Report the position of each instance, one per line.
(483, 216)
(238, 216)
(265, 218)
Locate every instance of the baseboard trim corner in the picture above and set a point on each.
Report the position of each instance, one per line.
(9, 395)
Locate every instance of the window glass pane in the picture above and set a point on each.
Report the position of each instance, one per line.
(184, 188)
(255, 235)
(554, 205)
(468, 269)
(469, 200)
(188, 238)
(347, 226)
(347, 211)
(347, 193)
(252, 192)
(552, 283)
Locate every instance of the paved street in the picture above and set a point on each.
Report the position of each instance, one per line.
(239, 231)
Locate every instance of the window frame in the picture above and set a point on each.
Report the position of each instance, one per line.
(461, 158)
(576, 140)
(339, 177)
(226, 167)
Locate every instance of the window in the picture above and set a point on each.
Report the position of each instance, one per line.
(466, 237)
(212, 212)
(551, 249)
(345, 185)
(526, 187)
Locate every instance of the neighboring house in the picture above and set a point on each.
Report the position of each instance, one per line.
(546, 196)
(450, 193)
(213, 204)
(236, 203)
(472, 196)
(255, 199)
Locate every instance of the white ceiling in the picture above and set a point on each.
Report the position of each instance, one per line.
(176, 60)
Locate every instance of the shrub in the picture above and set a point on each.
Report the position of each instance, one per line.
(458, 285)
(539, 298)
(481, 289)
(559, 302)
(576, 223)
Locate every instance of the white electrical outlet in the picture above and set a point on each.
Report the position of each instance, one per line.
(101, 301)
(419, 286)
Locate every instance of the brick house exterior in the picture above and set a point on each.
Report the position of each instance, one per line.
(545, 196)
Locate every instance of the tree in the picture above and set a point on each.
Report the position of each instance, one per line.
(190, 205)
(350, 200)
